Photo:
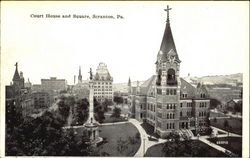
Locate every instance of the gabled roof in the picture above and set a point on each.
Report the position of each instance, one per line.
(147, 84)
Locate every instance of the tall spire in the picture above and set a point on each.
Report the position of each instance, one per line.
(167, 43)
(16, 76)
(129, 82)
(80, 75)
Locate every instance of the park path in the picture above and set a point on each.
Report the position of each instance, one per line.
(205, 140)
(215, 129)
(101, 124)
(145, 142)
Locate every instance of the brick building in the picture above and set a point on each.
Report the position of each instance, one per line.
(166, 101)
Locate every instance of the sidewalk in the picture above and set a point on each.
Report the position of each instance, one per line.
(145, 142)
(215, 129)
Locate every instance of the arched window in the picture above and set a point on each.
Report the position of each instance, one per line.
(171, 79)
(158, 82)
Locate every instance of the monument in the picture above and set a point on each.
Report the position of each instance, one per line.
(91, 124)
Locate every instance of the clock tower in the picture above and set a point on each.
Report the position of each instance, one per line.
(167, 83)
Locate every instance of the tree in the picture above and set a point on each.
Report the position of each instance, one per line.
(214, 103)
(106, 103)
(116, 112)
(118, 99)
(81, 111)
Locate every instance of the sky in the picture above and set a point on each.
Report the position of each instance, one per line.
(211, 38)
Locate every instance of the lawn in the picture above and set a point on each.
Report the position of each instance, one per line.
(112, 133)
(233, 144)
(206, 151)
(109, 119)
(235, 123)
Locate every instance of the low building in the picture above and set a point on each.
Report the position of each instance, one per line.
(41, 99)
(234, 105)
(53, 84)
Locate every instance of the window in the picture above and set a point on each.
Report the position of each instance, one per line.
(181, 114)
(167, 106)
(170, 106)
(159, 91)
(158, 82)
(181, 105)
(167, 93)
(167, 125)
(171, 92)
(167, 116)
(174, 91)
(171, 80)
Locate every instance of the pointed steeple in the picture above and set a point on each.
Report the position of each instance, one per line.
(16, 76)
(167, 44)
(80, 75)
(129, 82)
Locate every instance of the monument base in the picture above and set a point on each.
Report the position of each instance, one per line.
(93, 133)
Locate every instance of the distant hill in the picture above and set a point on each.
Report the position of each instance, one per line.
(231, 80)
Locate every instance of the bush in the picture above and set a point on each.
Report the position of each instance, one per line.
(116, 112)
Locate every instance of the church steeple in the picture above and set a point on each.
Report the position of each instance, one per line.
(80, 75)
(16, 76)
(167, 44)
(129, 82)
(168, 63)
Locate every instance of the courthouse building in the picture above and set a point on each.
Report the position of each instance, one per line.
(166, 101)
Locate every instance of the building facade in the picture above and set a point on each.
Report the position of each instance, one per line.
(41, 99)
(166, 101)
(53, 84)
(103, 83)
(19, 103)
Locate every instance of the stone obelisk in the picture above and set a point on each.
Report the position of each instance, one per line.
(91, 124)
